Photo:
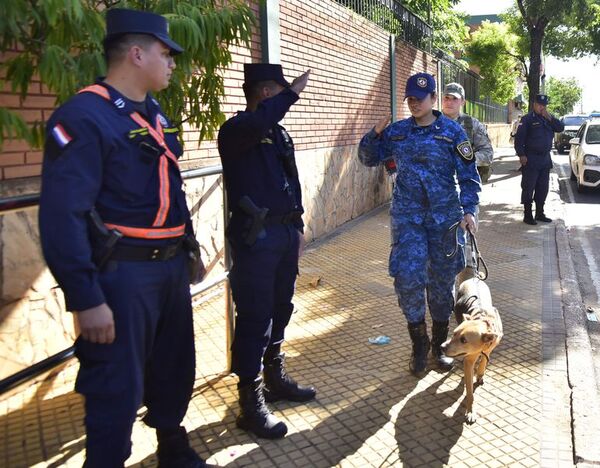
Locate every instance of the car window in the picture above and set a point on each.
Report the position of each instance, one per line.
(593, 134)
(580, 131)
(573, 121)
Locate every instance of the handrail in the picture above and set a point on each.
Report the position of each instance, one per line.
(22, 202)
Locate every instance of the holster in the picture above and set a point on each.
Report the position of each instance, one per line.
(103, 240)
(257, 215)
(195, 264)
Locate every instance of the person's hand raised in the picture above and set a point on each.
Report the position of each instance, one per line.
(300, 82)
(382, 123)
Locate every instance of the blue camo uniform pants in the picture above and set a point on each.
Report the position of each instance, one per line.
(151, 361)
(262, 278)
(419, 263)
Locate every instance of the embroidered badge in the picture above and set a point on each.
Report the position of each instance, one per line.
(61, 136)
(465, 151)
(162, 120)
(422, 82)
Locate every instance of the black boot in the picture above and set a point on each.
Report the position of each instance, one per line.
(528, 218)
(280, 386)
(439, 334)
(539, 213)
(420, 345)
(174, 450)
(254, 413)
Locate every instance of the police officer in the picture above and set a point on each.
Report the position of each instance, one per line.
(115, 232)
(429, 151)
(265, 233)
(452, 104)
(533, 143)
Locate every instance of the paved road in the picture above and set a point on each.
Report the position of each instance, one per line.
(582, 220)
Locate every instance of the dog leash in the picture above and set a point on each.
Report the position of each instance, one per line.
(476, 258)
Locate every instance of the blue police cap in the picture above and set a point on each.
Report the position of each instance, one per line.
(122, 21)
(254, 72)
(542, 99)
(420, 86)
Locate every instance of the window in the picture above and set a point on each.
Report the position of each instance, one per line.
(593, 134)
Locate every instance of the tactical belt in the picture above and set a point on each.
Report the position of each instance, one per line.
(288, 218)
(134, 253)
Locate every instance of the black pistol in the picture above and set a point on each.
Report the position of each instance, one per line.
(258, 218)
(103, 239)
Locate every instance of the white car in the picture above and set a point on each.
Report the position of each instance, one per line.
(584, 156)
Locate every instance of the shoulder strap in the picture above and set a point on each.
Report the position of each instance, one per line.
(467, 123)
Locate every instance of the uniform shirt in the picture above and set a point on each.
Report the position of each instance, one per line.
(535, 135)
(429, 161)
(480, 141)
(94, 156)
(252, 147)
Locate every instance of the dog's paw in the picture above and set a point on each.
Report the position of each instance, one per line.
(470, 417)
(478, 383)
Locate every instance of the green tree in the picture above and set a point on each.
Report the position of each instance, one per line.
(60, 41)
(492, 49)
(564, 94)
(449, 30)
(556, 27)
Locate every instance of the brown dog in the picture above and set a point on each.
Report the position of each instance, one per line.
(478, 333)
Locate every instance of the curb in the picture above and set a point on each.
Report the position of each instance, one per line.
(585, 408)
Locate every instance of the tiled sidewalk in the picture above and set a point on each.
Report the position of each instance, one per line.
(370, 412)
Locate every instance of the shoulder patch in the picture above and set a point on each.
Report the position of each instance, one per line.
(465, 151)
(58, 139)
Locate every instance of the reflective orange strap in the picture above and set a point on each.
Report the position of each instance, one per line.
(96, 89)
(149, 233)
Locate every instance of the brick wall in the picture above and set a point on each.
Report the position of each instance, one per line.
(348, 91)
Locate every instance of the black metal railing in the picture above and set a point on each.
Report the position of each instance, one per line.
(395, 18)
(22, 202)
(482, 108)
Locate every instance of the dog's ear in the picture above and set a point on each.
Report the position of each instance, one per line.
(488, 337)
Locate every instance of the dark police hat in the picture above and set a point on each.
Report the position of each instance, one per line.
(121, 21)
(542, 99)
(254, 72)
(420, 86)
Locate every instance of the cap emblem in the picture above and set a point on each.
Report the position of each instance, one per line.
(422, 82)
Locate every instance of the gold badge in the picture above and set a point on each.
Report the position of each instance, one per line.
(465, 151)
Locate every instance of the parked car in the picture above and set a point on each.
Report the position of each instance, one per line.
(584, 156)
(572, 124)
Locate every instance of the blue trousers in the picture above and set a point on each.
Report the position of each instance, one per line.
(151, 361)
(534, 184)
(262, 278)
(419, 264)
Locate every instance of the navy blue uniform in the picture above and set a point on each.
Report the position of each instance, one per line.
(534, 139)
(98, 156)
(258, 162)
(425, 203)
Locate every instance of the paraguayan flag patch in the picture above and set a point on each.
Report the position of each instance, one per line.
(61, 136)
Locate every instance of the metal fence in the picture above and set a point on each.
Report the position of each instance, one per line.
(395, 18)
(483, 109)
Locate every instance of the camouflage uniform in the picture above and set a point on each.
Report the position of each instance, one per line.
(480, 141)
(425, 203)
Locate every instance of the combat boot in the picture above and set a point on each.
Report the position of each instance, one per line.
(439, 334)
(174, 450)
(528, 218)
(254, 413)
(280, 386)
(420, 348)
(539, 213)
